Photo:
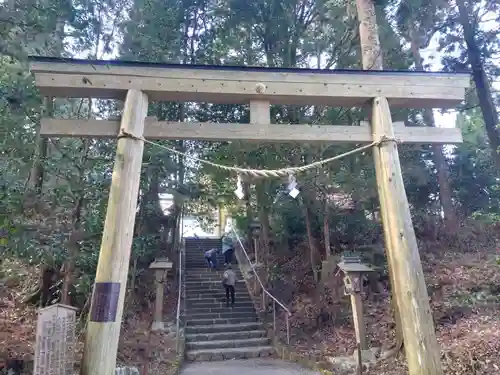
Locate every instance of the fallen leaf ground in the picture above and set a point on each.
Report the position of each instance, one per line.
(136, 347)
(465, 300)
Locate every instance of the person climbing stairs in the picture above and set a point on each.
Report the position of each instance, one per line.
(213, 330)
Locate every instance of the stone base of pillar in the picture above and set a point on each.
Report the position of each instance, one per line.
(157, 326)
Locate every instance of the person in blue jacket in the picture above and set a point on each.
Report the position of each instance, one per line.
(211, 258)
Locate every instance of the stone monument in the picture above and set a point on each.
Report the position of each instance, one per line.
(161, 266)
(55, 341)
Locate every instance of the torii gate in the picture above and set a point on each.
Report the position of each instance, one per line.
(136, 83)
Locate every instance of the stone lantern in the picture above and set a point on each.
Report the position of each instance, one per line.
(353, 270)
(161, 267)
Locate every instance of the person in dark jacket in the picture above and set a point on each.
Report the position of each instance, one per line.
(229, 282)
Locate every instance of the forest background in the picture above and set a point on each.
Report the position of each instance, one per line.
(53, 191)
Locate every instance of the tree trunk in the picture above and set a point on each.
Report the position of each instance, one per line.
(326, 231)
(35, 183)
(264, 248)
(56, 48)
(310, 240)
(443, 175)
(44, 294)
(69, 272)
(249, 215)
(481, 82)
(75, 237)
(262, 203)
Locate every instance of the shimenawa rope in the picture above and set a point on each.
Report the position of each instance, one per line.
(282, 172)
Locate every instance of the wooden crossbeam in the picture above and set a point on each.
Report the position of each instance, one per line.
(242, 85)
(251, 132)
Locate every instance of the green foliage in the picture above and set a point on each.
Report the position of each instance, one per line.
(474, 174)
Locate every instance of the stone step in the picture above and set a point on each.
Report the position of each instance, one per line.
(216, 278)
(223, 315)
(194, 244)
(202, 239)
(227, 328)
(201, 254)
(214, 282)
(207, 272)
(197, 264)
(209, 275)
(204, 266)
(204, 271)
(194, 240)
(212, 290)
(194, 248)
(215, 297)
(229, 353)
(220, 309)
(203, 244)
(218, 305)
(200, 258)
(204, 322)
(217, 308)
(217, 336)
(197, 251)
(214, 286)
(214, 293)
(219, 344)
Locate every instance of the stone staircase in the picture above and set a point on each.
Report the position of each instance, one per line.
(213, 330)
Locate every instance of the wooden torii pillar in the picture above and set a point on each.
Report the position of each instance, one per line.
(108, 297)
(412, 307)
(259, 87)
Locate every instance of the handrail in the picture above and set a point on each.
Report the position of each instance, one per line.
(275, 300)
(181, 250)
(257, 275)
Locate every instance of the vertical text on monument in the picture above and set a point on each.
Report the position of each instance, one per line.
(55, 341)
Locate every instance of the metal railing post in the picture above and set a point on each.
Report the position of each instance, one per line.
(287, 330)
(180, 296)
(274, 318)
